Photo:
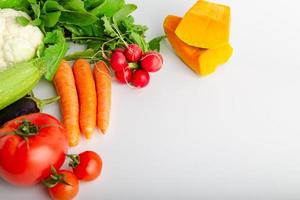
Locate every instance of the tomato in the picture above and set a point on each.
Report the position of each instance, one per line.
(65, 186)
(86, 166)
(28, 146)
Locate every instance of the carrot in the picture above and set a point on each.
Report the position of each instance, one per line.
(65, 86)
(86, 89)
(103, 87)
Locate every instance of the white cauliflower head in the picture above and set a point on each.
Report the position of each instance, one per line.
(17, 43)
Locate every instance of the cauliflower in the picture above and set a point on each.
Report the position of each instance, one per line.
(17, 43)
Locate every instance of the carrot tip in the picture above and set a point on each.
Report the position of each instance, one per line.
(72, 144)
(103, 131)
(88, 135)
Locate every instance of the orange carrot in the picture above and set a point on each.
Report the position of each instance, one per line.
(86, 89)
(103, 87)
(65, 86)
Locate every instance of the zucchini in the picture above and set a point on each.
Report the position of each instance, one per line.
(19, 80)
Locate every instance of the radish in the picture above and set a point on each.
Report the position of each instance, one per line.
(119, 50)
(118, 61)
(140, 78)
(151, 61)
(133, 53)
(124, 76)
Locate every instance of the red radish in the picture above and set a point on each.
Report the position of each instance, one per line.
(118, 61)
(124, 76)
(119, 50)
(133, 52)
(140, 78)
(151, 61)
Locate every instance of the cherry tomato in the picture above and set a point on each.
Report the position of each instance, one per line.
(65, 186)
(124, 76)
(140, 78)
(28, 146)
(151, 61)
(133, 52)
(86, 166)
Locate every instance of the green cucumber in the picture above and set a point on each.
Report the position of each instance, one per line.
(19, 80)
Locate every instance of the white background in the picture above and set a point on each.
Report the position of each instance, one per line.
(233, 135)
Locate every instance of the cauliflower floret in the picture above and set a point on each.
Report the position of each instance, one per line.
(17, 43)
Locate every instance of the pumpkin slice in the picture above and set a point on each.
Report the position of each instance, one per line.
(202, 61)
(205, 25)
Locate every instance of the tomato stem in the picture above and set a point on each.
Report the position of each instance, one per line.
(75, 160)
(54, 179)
(27, 129)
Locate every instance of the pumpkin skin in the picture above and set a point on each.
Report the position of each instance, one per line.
(200, 60)
(205, 25)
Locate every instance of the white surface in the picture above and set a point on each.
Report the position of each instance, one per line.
(233, 135)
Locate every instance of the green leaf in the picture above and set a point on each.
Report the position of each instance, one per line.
(87, 54)
(140, 40)
(51, 19)
(74, 5)
(112, 45)
(124, 12)
(96, 45)
(32, 1)
(56, 48)
(23, 21)
(109, 30)
(75, 30)
(36, 22)
(128, 25)
(40, 50)
(97, 28)
(77, 18)
(36, 10)
(52, 38)
(154, 44)
(16, 4)
(52, 6)
(108, 7)
(91, 4)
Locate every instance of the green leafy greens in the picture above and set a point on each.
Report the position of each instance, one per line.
(101, 25)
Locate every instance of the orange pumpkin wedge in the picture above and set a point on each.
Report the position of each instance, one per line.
(202, 61)
(205, 25)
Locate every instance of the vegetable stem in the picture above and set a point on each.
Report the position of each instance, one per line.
(86, 38)
(41, 103)
(119, 34)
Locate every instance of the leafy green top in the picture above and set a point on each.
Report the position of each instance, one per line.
(101, 25)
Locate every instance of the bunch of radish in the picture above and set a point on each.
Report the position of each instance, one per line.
(132, 66)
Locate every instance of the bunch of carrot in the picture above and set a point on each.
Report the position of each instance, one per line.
(85, 98)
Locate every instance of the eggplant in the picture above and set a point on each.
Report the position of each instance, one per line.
(26, 105)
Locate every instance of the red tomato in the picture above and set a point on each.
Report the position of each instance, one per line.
(86, 166)
(28, 146)
(66, 188)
